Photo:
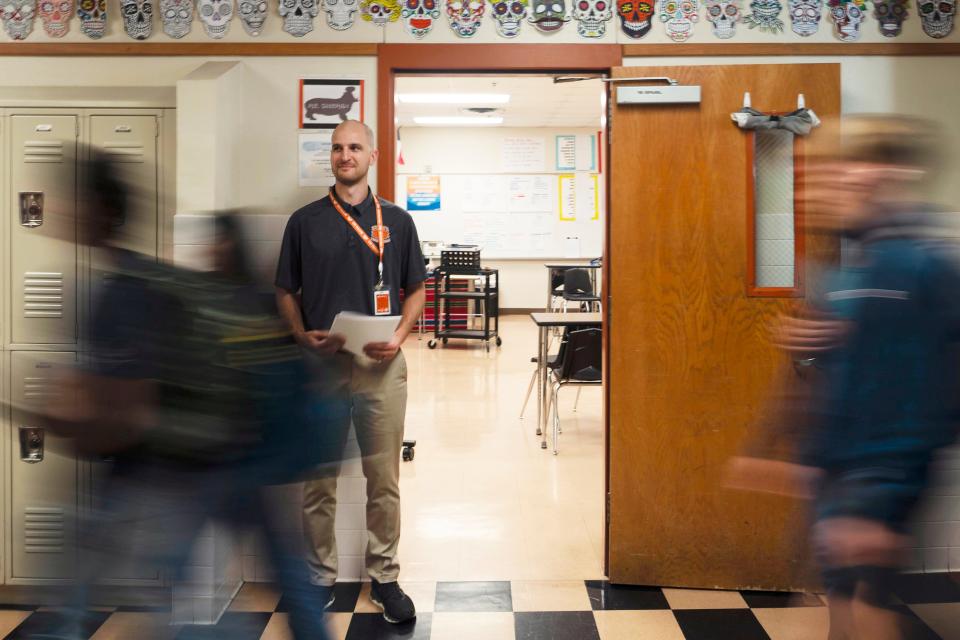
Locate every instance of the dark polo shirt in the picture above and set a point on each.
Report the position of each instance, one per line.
(323, 258)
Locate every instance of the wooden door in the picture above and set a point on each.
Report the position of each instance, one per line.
(690, 362)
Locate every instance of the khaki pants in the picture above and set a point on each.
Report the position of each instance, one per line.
(375, 396)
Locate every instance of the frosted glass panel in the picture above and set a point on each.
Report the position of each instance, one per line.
(773, 179)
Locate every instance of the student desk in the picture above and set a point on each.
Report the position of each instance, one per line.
(544, 322)
(552, 268)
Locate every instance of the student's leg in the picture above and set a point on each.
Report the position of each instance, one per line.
(380, 405)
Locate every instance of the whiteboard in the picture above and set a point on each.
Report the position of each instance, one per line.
(516, 216)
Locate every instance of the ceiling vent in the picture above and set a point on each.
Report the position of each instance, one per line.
(482, 111)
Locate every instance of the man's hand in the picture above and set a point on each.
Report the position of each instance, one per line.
(382, 351)
(808, 336)
(856, 542)
(322, 342)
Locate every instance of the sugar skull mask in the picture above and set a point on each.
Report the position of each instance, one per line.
(93, 18)
(548, 16)
(805, 16)
(847, 17)
(17, 16)
(724, 16)
(253, 13)
(592, 17)
(466, 16)
(137, 18)
(765, 14)
(177, 16)
(418, 16)
(634, 17)
(215, 16)
(341, 14)
(55, 15)
(679, 17)
(379, 12)
(508, 16)
(936, 16)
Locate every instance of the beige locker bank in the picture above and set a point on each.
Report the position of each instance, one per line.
(47, 282)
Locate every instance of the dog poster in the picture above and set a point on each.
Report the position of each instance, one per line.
(326, 103)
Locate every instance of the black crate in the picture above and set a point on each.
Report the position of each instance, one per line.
(463, 260)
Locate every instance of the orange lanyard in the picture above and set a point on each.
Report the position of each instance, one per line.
(376, 248)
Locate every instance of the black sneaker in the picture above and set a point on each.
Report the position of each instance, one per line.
(397, 606)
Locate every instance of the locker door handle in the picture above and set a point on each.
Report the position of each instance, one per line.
(31, 444)
(31, 209)
(122, 128)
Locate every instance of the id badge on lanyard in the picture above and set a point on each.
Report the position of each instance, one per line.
(381, 296)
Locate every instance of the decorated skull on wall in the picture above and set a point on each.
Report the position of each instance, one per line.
(847, 17)
(724, 16)
(936, 16)
(805, 16)
(253, 13)
(592, 17)
(340, 13)
(466, 16)
(137, 18)
(380, 12)
(215, 16)
(418, 16)
(508, 16)
(17, 16)
(634, 17)
(765, 14)
(548, 16)
(298, 16)
(177, 17)
(93, 18)
(679, 17)
(55, 15)
(890, 15)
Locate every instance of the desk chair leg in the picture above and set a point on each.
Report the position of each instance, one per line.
(577, 401)
(533, 380)
(556, 419)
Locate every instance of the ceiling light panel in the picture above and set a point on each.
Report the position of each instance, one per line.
(458, 120)
(453, 98)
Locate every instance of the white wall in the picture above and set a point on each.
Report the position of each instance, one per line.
(478, 151)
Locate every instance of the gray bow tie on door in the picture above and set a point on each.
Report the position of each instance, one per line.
(798, 122)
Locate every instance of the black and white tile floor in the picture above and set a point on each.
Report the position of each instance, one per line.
(591, 610)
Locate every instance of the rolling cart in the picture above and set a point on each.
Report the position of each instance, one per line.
(486, 299)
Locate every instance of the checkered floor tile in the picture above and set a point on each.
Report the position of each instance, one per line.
(536, 610)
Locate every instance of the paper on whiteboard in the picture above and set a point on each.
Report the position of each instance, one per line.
(571, 247)
(523, 154)
(361, 330)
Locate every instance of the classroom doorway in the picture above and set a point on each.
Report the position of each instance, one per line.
(485, 159)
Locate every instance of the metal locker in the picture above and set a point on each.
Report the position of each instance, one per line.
(130, 144)
(44, 475)
(43, 256)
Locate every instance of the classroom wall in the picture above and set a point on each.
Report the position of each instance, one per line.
(452, 152)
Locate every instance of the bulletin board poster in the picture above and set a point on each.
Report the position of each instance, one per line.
(423, 193)
(314, 159)
(326, 103)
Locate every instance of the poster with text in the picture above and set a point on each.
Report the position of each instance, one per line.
(423, 193)
(326, 103)
(314, 159)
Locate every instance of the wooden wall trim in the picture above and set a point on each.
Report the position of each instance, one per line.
(816, 49)
(471, 58)
(187, 49)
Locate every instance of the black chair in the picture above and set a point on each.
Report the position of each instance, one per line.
(577, 287)
(553, 361)
(582, 364)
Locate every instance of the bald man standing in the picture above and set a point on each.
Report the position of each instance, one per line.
(352, 251)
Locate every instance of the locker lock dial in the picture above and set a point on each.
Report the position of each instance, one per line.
(31, 208)
(31, 444)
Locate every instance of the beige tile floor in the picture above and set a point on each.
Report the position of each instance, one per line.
(482, 501)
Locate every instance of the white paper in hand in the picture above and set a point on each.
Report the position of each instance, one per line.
(361, 330)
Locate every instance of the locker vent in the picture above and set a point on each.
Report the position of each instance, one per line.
(123, 152)
(43, 151)
(43, 530)
(37, 390)
(42, 294)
